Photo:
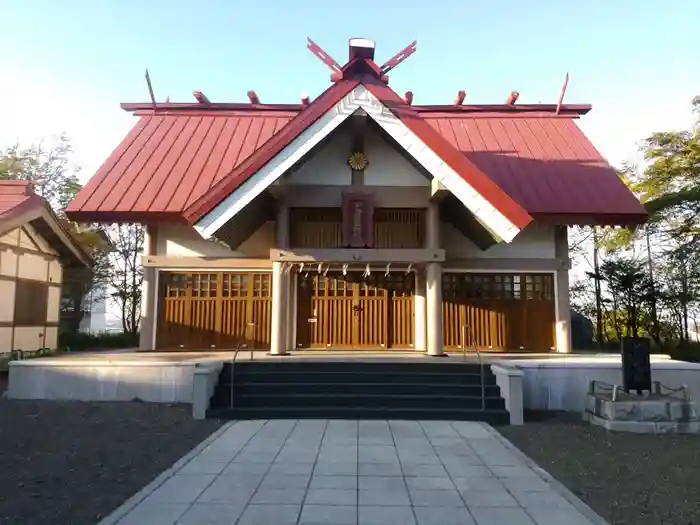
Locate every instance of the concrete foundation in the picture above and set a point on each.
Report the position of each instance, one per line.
(109, 377)
(562, 382)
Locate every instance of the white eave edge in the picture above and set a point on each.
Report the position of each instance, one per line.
(360, 97)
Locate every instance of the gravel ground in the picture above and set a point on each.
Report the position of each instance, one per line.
(628, 479)
(64, 463)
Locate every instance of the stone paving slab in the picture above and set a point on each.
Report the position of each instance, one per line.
(318, 472)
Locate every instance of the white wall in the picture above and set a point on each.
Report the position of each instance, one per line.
(26, 255)
(535, 241)
(387, 167)
(329, 167)
(184, 241)
(94, 380)
(103, 315)
(562, 383)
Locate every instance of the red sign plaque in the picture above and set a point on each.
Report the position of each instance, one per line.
(358, 224)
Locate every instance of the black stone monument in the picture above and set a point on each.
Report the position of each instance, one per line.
(636, 364)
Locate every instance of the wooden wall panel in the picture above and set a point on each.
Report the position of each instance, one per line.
(399, 228)
(316, 227)
(393, 228)
(501, 311)
(221, 310)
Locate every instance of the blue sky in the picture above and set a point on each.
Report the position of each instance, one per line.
(66, 65)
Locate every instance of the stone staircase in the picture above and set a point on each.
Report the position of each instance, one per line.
(358, 390)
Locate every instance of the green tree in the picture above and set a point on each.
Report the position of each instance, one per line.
(668, 183)
(126, 277)
(629, 289)
(49, 167)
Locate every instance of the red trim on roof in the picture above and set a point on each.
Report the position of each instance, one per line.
(14, 205)
(547, 165)
(471, 174)
(18, 201)
(319, 107)
(458, 162)
(17, 197)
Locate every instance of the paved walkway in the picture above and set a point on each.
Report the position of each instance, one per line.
(354, 473)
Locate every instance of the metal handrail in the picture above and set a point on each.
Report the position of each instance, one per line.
(251, 339)
(233, 363)
(244, 339)
(465, 331)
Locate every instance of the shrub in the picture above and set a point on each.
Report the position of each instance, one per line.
(79, 342)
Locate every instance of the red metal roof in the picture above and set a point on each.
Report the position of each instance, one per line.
(19, 204)
(450, 154)
(231, 181)
(179, 161)
(17, 197)
(545, 163)
(169, 160)
(332, 96)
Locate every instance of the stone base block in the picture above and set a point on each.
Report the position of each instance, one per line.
(644, 427)
(641, 409)
(653, 414)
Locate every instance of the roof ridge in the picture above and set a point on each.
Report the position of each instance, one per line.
(178, 108)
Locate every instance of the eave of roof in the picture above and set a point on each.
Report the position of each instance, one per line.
(17, 209)
(478, 179)
(269, 150)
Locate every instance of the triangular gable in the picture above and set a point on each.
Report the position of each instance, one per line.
(485, 199)
(29, 235)
(284, 148)
(37, 213)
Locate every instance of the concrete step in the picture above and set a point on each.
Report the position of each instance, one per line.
(360, 387)
(494, 417)
(365, 400)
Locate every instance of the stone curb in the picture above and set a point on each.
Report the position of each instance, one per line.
(137, 498)
(578, 504)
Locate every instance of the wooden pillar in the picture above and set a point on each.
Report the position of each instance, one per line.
(280, 288)
(433, 302)
(562, 327)
(433, 296)
(277, 336)
(149, 295)
(291, 310)
(419, 309)
(432, 226)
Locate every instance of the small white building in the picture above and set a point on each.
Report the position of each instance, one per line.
(35, 247)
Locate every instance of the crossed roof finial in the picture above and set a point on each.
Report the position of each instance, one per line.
(360, 49)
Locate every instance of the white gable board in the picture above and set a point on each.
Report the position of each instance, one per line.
(358, 98)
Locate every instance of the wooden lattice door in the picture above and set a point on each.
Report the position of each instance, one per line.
(200, 310)
(351, 312)
(498, 312)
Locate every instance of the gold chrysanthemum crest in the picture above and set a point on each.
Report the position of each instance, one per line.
(358, 161)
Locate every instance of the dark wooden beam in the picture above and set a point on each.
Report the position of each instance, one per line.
(455, 213)
(239, 229)
(201, 97)
(358, 123)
